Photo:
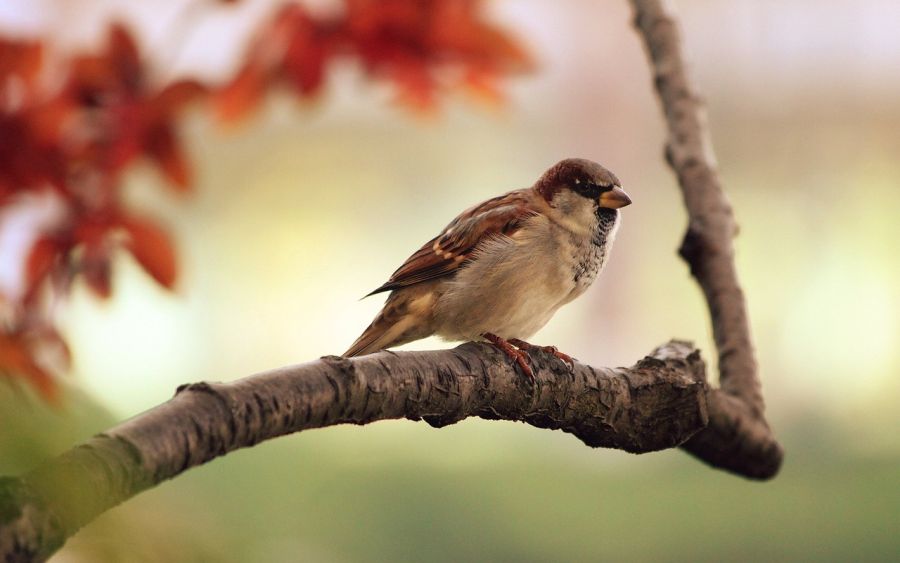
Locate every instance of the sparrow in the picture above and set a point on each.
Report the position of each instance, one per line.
(502, 268)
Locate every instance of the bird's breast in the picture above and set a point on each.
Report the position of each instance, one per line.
(511, 288)
(586, 265)
(589, 256)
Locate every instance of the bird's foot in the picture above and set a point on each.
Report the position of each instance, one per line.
(553, 350)
(512, 352)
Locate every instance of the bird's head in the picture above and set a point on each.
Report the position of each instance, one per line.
(577, 185)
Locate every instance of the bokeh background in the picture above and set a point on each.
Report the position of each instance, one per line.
(308, 207)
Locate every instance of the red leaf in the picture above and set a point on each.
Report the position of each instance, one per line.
(97, 273)
(43, 254)
(6, 191)
(417, 89)
(102, 79)
(482, 86)
(161, 145)
(92, 233)
(177, 94)
(123, 55)
(304, 63)
(236, 100)
(431, 45)
(20, 58)
(153, 250)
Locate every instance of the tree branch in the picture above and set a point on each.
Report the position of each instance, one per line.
(707, 248)
(658, 403)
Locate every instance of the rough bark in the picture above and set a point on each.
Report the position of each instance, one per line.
(707, 248)
(658, 403)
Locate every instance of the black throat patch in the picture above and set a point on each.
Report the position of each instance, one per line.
(606, 220)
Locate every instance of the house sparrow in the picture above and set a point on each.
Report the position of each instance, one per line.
(502, 268)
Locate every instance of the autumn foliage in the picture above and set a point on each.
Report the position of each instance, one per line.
(70, 138)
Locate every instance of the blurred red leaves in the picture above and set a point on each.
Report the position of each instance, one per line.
(422, 47)
(73, 138)
(428, 45)
(122, 116)
(292, 51)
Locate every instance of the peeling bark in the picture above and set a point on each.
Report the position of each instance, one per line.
(658, 403)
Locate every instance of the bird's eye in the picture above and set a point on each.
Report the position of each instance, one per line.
(588, 189)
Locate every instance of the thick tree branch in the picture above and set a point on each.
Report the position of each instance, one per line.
(658, 403)
(708, 249)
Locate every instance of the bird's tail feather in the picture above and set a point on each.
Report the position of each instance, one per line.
(400, 321)
(374, 338)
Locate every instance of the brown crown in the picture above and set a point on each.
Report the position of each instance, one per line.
(566, 173)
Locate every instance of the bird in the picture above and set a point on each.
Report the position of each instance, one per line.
(501, 269)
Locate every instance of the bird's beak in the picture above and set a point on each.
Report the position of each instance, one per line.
(614, 198)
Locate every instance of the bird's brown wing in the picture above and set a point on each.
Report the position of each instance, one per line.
(444, 254)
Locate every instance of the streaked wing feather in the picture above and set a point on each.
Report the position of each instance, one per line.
(450, 250)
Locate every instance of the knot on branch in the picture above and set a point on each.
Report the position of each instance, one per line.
(694, 246)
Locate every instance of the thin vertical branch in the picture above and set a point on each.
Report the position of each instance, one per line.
(707, 246)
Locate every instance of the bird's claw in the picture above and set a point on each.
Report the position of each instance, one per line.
(562, 356)
(515, 349)
(513, 352)
(552, 350)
